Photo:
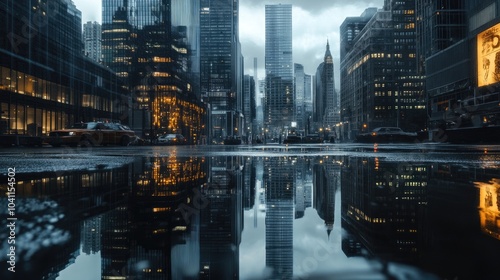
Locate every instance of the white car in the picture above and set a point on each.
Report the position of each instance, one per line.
(172, 139)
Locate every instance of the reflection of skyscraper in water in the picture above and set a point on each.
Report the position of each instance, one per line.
(383, 206)
(303, 187)
(279, 183)
(221, 221)
(115, 242)
(91, 235)
(326, 183)
(249, 184)
(300, 198)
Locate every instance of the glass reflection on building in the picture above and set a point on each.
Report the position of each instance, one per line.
(142, 44)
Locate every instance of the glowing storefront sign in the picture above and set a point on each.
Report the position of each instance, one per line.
(488, 56)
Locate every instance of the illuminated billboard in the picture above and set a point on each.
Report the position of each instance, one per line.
(488, 56)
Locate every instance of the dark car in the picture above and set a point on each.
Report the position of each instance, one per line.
(387, 135)
(92, 134)
(292, 139)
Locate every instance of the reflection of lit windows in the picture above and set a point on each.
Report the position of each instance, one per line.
(161, 209)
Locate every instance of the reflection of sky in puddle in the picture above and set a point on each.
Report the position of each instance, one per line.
(85, 267)
(313, 252)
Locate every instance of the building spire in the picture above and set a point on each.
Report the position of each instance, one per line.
(328, 54)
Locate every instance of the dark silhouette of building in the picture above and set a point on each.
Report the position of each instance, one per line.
(249, 108)
(221, 68)
(221, 220)
(325, 97)
(326, 184)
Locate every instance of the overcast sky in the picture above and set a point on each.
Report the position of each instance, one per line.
(314, 21)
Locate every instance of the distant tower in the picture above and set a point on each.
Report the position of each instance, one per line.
(326, 99)
(299, 87)
(92, 40)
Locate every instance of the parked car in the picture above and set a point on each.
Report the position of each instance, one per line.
(232, 140)
(172, 139)
(312, 139)
(92, 134)
(292, 139)
(387, 135)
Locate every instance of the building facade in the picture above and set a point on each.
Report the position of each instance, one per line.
(45, 81)
(380, 85)
(221, 68)
(142, 45)
(92, 40)
(464, 96)
(440, 24)
(279, 106)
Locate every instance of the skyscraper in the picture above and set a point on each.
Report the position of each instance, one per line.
(92, 40)
(248, 102)
(279, 101)
(380, 83)
(221, 67)
(141, 44)
(325, 101)
(299, 87)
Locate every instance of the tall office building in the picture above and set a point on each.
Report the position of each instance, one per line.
(380, 83)
(308, 102)
(221, 67)
(299, 87)
(92, 40)
(325, 99)
(45, 82)
(249, 103)
(141, 44)
(279, 101)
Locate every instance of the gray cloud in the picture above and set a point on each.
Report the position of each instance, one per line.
(314, 6)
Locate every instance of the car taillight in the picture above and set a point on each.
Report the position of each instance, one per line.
(374, 134)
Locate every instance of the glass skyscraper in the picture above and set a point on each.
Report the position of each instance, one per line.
(141, 44)
(279, 110)
(221, 71)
